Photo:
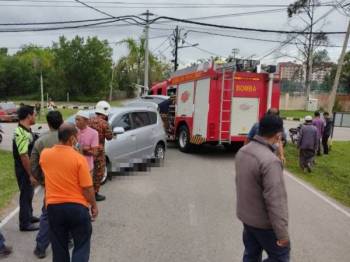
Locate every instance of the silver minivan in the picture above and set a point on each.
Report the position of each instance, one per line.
(139, 136)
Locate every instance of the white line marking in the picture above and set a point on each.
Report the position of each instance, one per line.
(14, 212)
(331, 203)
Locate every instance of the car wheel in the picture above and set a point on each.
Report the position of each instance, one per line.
(184, 140)
(159, 152)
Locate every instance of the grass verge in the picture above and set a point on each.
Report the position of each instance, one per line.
(295, 113)
(331, 173)
(8, 184)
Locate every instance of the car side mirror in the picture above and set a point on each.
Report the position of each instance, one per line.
(118, 130)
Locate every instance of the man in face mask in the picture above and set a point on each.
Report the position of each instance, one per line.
(261, 195)
(69, 196)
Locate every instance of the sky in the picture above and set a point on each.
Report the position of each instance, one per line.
(256, 15)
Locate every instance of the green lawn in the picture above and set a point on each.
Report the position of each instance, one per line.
(296, 113)
(8, 184)
(331, 173)
(65, 113)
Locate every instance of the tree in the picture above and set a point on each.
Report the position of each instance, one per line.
(130, 68)
(308, 43)
(83, 68)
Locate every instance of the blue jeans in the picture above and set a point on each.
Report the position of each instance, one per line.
(256, 240)
(2, 241)
(65, 219)
(42, 238)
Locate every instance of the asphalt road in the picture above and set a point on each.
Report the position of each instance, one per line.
(340, 133)
(185, 212)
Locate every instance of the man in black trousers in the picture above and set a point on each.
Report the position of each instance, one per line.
(23, 143)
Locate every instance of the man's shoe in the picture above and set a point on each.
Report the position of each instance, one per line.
(5, 251)
(40, 254)
(29, 228)
(308, 167)
(99, 197)
(34, 220)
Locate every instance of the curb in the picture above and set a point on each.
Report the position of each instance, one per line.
(293, 119)
(74, 107)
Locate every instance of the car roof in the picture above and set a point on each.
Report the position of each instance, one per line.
(119, 110)
(156, 96)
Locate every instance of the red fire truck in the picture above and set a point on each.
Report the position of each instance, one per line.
(216, 104)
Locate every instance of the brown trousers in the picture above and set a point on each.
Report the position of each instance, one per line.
(99, 170)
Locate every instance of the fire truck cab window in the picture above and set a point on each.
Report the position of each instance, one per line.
(140, 119)
(171, 91)
(159, 91)
(123, 121)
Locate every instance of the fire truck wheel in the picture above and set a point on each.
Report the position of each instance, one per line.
(184, 140)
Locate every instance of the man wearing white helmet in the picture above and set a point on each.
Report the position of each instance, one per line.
(307, 144)
(100, 124)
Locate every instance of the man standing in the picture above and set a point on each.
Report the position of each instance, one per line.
(4, 250)
(327, 132)
(100, 124)
(87, 138)
(48, 140)
(308, 143)
(23, 143)
(69, 194)
(261, 195)
(319, 124)
(255, 130)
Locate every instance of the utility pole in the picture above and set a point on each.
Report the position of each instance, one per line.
(42, 91)
(145, 82)
(333, 93)
(176, 47)
(111, 85)
(235, 51)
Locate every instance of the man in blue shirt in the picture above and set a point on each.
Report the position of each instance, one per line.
(255, 130)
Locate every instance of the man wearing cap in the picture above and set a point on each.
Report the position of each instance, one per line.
(307, 144)
(100, 124)
(87, 138)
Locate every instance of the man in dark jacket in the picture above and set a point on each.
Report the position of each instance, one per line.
(307, 144)
(327, 132)
(261, 195)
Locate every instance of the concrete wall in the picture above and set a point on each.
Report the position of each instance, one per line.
(291, 102)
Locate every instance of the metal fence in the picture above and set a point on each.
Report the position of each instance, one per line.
(342, 119)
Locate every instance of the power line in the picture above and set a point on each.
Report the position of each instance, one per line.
(137, 17)
(16, 30)
(186, 21)
(162, 5)
(293, 38)
(95, 9)
(203, 50)
(159, 46)
(250, 38)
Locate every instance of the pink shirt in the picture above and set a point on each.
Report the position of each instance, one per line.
(88, 137)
